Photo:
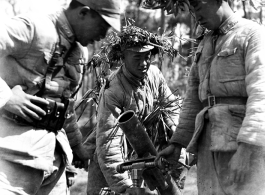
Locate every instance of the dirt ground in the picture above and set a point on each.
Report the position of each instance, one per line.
(79, 188)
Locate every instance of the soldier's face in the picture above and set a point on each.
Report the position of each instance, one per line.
(91, 27)
(208, 13)
(137, 63)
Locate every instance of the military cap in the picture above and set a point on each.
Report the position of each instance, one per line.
(132, 38)
(108, 9)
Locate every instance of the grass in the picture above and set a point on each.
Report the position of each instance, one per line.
(79, 188)
(190, 187)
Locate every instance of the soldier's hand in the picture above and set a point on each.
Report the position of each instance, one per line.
(81, 156)
(170, 153)
(24, 105)
(70, 178)
(240, 163)
(71, 175)
(80, 164)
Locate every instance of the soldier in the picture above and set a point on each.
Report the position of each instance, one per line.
(222, 116)
(139, 86)
(42, 63)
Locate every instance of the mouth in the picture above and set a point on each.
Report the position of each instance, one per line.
(201, 23)
(91, 41)
(99, 38)
(143, 70)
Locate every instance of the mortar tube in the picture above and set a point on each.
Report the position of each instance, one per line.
(141, 143)
(136, 134)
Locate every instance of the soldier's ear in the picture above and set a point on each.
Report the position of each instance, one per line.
(123, 54)
(84, 11)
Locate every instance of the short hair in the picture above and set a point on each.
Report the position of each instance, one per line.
(75, 4)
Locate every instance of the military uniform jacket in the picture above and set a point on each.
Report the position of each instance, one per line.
(27, 44)
(125, 93)
(233, 67)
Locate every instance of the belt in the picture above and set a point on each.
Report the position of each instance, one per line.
(212, 100)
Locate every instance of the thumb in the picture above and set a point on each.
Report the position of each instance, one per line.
(158, 156)
(23, 87)
(20, 87)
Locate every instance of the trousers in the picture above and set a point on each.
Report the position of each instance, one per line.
(213, 171)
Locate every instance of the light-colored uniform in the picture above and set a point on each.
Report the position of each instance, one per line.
(32, 159)
(233, 68)
(5, 93)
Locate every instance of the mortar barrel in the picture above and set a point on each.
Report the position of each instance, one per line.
(136, 134)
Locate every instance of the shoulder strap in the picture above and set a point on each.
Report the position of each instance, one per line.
(50, 70)
(59, 50)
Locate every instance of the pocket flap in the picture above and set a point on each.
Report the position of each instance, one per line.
(227, 52)
(231, 79)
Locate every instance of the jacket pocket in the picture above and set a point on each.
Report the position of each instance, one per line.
(230, 64)
(237, 114)
(230, 71)
(226, 122)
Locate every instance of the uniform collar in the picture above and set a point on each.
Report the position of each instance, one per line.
(228, 24)
(136, 82)
(65, 26)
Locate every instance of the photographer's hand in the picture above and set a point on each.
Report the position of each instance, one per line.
(24, 105)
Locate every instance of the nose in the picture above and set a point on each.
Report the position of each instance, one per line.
(106, 30)
(143, 63)
(197, 16)
(103, 34)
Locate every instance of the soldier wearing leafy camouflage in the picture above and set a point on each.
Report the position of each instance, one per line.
(137, 85)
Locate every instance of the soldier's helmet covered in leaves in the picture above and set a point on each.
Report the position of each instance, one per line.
(132, 36)
(177, 6)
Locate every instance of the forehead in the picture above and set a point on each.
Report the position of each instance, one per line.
(196, 2)
(136, 54)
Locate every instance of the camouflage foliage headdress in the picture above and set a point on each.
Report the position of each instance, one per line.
(170, 6)
(111, 52)
(177, 6)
